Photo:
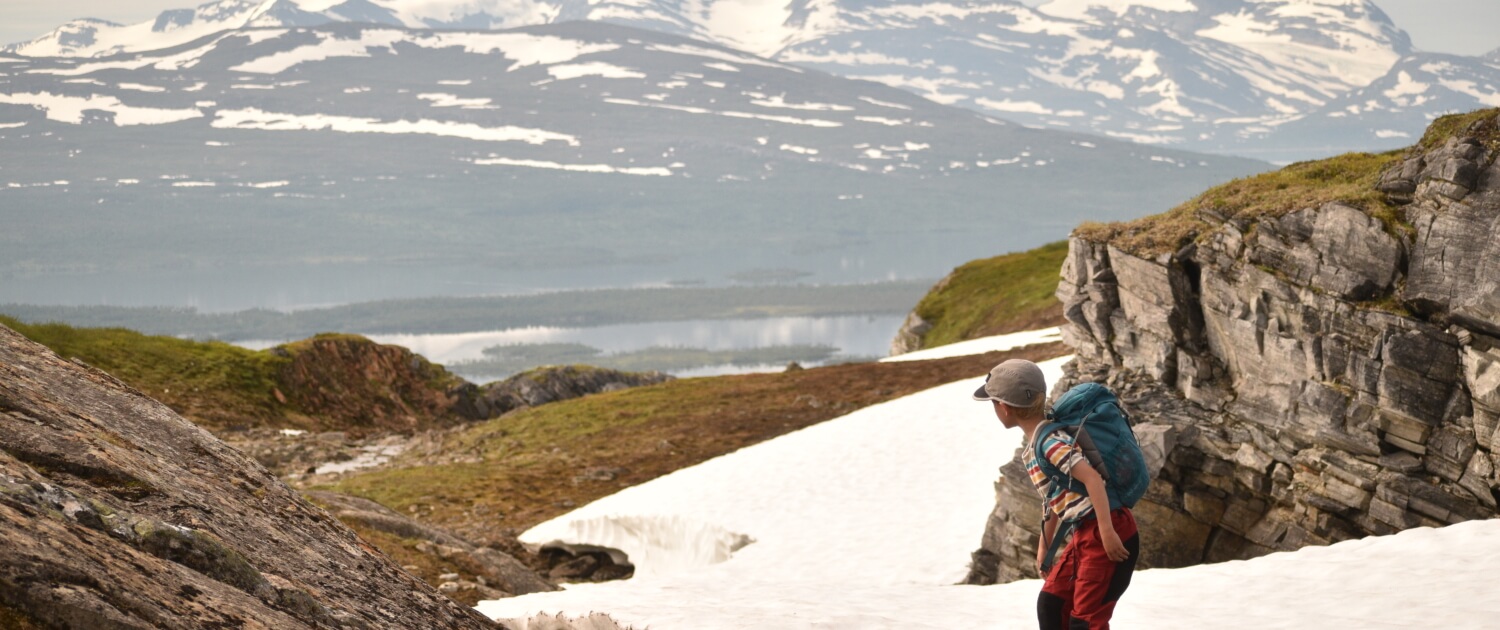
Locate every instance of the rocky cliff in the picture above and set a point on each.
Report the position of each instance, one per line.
(1310, 356)
(115, 512)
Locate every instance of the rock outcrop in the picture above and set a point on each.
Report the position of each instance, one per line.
(909, 337)
(349, 383)
(550, 384)
(117, 513)
(1298, 378)
(484, 572)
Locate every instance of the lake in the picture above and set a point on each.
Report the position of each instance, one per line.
(861, 337)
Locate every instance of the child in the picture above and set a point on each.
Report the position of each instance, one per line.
(1094, 565)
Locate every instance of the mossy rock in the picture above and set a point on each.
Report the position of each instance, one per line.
(992, 296)
(1349, 179)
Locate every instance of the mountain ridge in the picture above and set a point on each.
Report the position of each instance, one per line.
(688, 161)
(1218, 76)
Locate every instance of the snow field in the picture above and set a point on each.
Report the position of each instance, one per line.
(981, 346)
(867, 521)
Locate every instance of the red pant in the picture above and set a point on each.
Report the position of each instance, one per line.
(1084, 584)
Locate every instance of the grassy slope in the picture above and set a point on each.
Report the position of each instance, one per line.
(224, 387)
(214, 384)
(508, 474)
(1348, 179)
(997, 295)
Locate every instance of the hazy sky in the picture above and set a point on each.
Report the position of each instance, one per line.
(1466, 27)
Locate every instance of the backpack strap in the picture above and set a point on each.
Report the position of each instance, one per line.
(1052, 472)
(1064, 528)
(1081, 441)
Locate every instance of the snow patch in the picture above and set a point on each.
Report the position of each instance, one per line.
(1405, 86)
(328, 47)
(884, 103)
(1007, 105)
(781, 103)
(141, 88)
(69, 109)
(452, 100)
(1081, 9)
(721, 55)
(271, 121)
(655, 171)
(1488, 96)
(929, 88)
(811, 122)
(981, 346)
(592, 69)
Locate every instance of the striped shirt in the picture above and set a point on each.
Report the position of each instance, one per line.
(1059, 499)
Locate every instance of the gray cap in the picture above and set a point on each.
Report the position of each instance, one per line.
(1016, 382)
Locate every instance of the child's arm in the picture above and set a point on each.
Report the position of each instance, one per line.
(1049, 529)
(1099, 498)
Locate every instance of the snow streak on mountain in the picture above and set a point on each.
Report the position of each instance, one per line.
(569, 154)
(1211, 75)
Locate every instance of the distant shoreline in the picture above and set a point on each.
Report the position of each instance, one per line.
(576, 309)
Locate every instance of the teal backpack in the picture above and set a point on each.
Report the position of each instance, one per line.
(1101, 429)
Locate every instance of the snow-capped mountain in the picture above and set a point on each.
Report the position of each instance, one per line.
(1418, 85)
(613, 154)
(1212, 75)
(1208, 75)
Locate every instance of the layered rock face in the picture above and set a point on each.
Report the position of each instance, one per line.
(1297, 380)
(117, 513)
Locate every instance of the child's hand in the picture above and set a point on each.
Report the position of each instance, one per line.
(1112, 546)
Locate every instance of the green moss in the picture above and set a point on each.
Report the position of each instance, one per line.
(303, 345)
(211, 381)
(199, 551)
(994, 295)
(1349, 179)
(1479, 124)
